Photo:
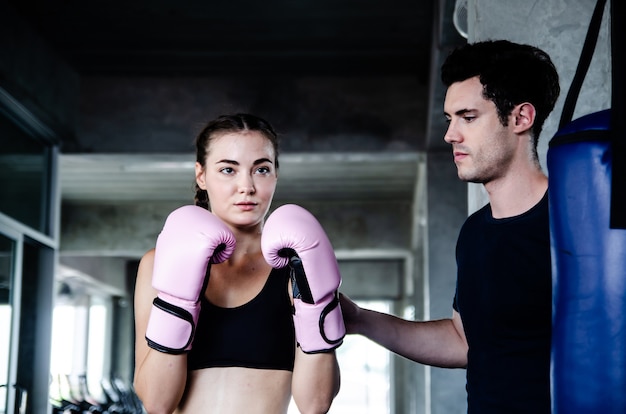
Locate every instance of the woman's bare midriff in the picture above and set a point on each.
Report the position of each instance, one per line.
(236, 390)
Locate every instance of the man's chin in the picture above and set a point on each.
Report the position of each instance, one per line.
(468, 178)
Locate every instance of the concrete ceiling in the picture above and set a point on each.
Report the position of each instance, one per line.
(169, 37)
(365, 177)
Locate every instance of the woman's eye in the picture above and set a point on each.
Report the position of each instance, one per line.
(227, 170)
(263, 170)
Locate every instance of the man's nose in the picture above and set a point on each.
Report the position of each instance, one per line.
(452, 135)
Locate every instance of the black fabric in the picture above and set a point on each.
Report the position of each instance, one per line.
(503, 295)
(259, 334)
(618, 121)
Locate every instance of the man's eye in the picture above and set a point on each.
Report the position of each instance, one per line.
(469, 118)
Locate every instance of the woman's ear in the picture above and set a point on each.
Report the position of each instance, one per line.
(200, 177)
(524, 114)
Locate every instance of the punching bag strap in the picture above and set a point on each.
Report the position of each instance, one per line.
(618, 96)
(583, 64)
(618, 116)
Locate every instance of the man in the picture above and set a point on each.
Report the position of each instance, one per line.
(499, 95)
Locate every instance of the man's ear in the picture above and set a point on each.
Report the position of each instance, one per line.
(200, 177)
(524, 116)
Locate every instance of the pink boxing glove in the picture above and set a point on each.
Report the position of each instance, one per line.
(192, 237)
(293, 237)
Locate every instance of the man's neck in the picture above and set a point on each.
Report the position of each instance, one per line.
(517, 194)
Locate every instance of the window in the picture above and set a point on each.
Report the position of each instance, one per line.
(365, 373)
(28, 206)
(25, 177)
(98, 345)
(80, 344)
(5, 338)
(6, 316)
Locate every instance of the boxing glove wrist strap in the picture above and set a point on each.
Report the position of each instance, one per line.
(319, 327)
(171, 327)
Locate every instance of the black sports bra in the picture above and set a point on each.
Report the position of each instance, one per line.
(258, 334)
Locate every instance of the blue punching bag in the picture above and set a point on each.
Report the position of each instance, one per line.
(587, 183)
(589, 274)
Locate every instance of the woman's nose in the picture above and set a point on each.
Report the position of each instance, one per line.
(246, 185)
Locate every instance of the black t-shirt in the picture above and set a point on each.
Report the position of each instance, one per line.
(504, 297)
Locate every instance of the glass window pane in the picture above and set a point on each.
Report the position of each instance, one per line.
(6, 269)
(63, 335)
(365, 373)
(98, 342)
(81, 342)
(24, 177)
(5, 337)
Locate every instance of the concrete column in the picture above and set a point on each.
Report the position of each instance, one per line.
(446, 212)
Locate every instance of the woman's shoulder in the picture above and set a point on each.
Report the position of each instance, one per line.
(144, 271)
(148, 257)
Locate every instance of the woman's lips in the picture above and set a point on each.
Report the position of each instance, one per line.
(246, 206)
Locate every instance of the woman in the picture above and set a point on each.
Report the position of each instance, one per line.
(244, 357)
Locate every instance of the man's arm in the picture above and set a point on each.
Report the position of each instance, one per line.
(440, 343)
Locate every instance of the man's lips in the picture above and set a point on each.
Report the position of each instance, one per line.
(459, 155)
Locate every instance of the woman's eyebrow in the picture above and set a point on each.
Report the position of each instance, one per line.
(262, 160)
(227, 161)
(233, 162)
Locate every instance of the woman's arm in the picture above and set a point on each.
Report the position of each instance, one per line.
(315, 382)
(439, 343)
(160, 378)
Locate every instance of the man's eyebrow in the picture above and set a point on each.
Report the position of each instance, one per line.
(461, 112)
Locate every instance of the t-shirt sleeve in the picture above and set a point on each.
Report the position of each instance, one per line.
(454, 304)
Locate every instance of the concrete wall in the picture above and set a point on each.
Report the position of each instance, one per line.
(157, 115)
